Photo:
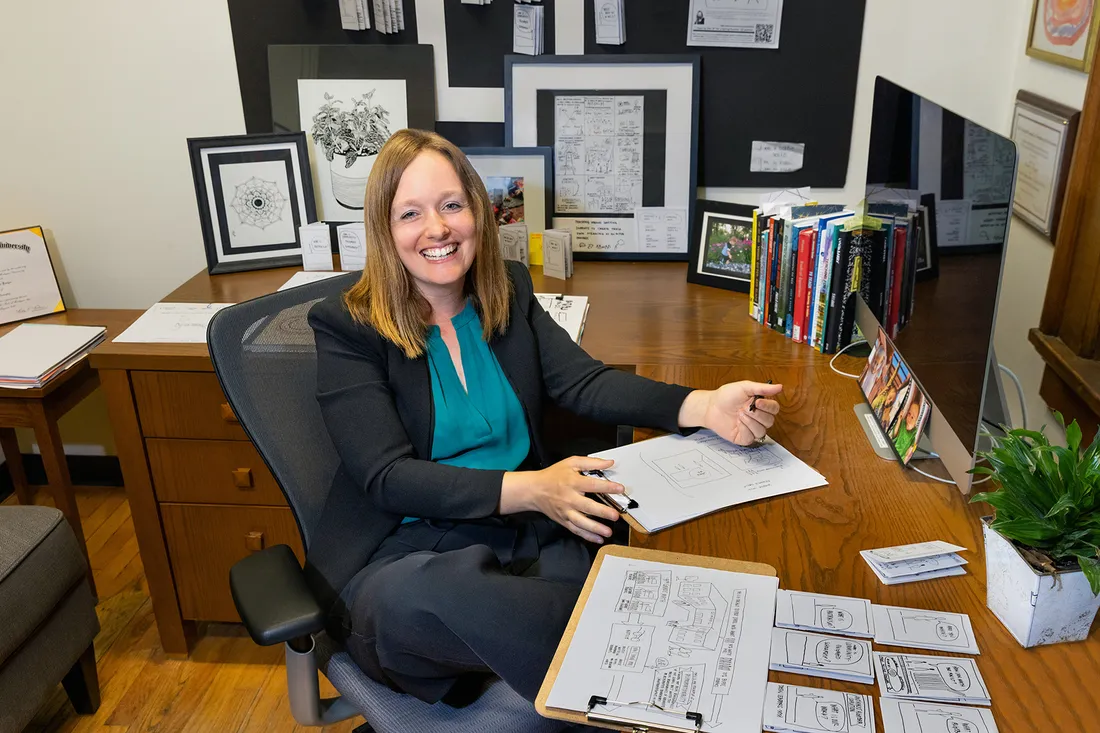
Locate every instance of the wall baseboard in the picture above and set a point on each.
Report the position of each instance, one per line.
(85, 470)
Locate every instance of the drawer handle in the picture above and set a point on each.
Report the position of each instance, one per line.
(242, 478)
(227, 414)
(254, 541)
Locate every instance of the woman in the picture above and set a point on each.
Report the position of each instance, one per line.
(460, 551)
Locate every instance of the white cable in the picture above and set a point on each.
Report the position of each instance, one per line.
(1019, 391)
(944, 480)
(844, 374)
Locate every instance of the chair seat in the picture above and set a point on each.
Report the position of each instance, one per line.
(499, 709)
(40, 563)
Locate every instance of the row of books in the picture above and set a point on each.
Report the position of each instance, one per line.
(809, 262)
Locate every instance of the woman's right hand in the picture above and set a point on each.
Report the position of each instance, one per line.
(559, 492)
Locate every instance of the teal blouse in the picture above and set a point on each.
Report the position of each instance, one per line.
(483, 424)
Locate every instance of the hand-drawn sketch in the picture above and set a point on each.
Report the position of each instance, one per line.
(751, 460)
(645, 593)
(256, 199)
(831, 614)
(689, 469)
(903, 716)
(789, 707)
(930, 678)
(706, 609)
(598, 151)
(818, 655)
(628, 647)
(259, 203)
(924, 629)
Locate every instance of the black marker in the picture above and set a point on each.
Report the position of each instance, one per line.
(752, 405)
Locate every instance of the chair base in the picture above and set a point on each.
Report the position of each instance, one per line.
(82, 683)
(304, 691)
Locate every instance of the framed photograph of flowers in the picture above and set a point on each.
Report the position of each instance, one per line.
(253, 192)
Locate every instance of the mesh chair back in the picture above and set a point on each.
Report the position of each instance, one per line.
(266, 362)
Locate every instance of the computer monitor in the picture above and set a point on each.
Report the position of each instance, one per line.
(963, 174)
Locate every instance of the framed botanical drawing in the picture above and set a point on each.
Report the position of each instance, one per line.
(253, 192)
(624, 130)
(28, 283)
(1044, 132)
(1063, 32)
(349, 99)
(720, 252)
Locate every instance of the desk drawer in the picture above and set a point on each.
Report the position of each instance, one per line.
(184, 405)
(211, 472)
(205, 541)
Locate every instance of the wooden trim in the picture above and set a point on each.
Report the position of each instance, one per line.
(1081, 376)
(143, 508)
(1059, 397)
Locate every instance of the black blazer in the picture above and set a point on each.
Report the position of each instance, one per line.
(377, 405)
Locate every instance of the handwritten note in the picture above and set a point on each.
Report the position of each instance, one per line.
(600, 234)
(661, 229)
(773, 157)
(180, 323)
(952, 222)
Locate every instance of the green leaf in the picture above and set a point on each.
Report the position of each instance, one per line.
(1073, 437)
(1090, 566)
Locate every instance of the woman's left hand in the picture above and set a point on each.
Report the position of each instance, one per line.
(726, 410)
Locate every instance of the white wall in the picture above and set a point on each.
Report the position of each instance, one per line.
(99, 99)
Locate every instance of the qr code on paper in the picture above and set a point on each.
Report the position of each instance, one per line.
(764, 32)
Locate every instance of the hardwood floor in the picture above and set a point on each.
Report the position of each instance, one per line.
(227, 685)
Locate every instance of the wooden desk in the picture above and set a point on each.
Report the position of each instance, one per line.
(40, 409)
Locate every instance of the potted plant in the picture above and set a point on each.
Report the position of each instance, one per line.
(1043, 544)
(351, 139)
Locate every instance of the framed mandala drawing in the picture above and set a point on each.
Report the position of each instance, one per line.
(253, 192)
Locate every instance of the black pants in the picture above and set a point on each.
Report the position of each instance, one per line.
(439, 600)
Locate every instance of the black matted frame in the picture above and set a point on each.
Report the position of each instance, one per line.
(695, 273)
(546, 154)
(599, 84)
(215, 233)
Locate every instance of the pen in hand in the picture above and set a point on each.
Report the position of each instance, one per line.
(752, 404)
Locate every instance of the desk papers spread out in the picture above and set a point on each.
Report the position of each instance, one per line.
(683, 638)
(305, 278)
(570, 311)
(820, 655)
(791, 709)
(902, 716)
(675, 478)
(922, 629)
(828, 614)
(172, 323)
(932, 679)
(32, 354)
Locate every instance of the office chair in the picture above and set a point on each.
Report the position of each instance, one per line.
(264, 358)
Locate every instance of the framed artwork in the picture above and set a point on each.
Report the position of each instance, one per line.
(28, 283)
(624, 131)
(1063, 32)
(349, 99)
(519, 182)
(253, 192)
(928, 256)
(721, 245)
(1044, 132)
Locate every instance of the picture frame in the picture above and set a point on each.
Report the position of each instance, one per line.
(253, 194)
(1045, 133)
(532, 168)
(28, 281)
(721, 245)
(1063, 33)
(624, 130)
(348, 100)
(928, 254)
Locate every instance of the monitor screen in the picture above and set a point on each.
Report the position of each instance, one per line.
(959, 176)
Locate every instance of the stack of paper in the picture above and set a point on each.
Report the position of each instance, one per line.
(172, 323)
(557, 253)
(389, 15)
(915, 627)
(611, 22)
(33, 354)
(570, 311)
(902, 716)
(353, 15)
(791, 709)
(528, 30)
(305, 278)
(931, 679)
(477, 2)
(513, 243)
(352, 241)
(909, 563)
(818, 612)
(818, 655)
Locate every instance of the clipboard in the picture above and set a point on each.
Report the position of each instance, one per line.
(624, 511)
(636, 553)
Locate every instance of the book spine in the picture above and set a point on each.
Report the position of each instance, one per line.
(836, 292)
(802, 267)
(777, 274)
(825, 279)
(769, 275)
(753, 306)
(815, 283)
(855, 285)
(911, 280)
(761, 271)
(811, 268)
(897, 261)
(792, 269)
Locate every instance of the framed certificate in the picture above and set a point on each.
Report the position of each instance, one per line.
(1044, 133)
(28, 285)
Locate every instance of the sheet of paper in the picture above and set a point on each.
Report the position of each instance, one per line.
(914, 627)
(820, 655)
(661, 229)
(905, 716)
(305, 278)
(989, 162)
(514, 243)
(178, 323)
(934, 679)
(901, 579)
(952, 222)
(570, 311)
(555, 244)
(820, 612)
(918, 565)
(523, 36)
(732, 24)
(610, 24)
(774, 157)
(914, 551)
(987, 226)
(686, 639)
(772, 200)
(316, 239)
(598, 149)
(674, 478)
(599, 234)
(812, 709)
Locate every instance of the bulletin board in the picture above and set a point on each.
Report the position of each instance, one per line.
(803, 92)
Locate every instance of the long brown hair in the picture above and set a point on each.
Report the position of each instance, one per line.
(386, 298)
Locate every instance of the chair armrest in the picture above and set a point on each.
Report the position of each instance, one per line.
(271, 595)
